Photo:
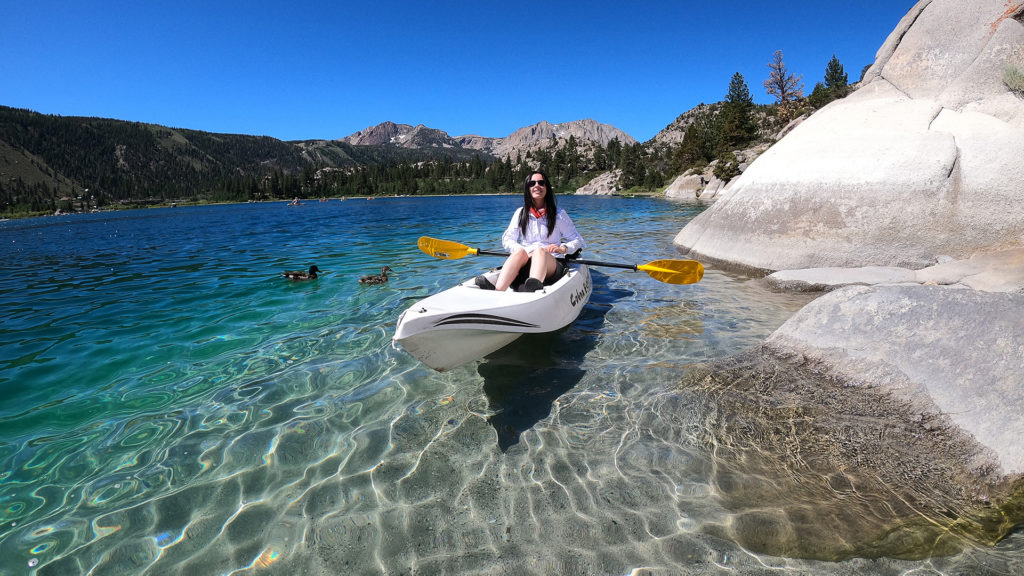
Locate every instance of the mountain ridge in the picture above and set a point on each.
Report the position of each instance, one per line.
(46, 158)
(525, 139)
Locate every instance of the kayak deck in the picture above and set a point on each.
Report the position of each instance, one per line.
(465, 323)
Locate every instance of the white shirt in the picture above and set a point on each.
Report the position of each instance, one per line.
(537, 234)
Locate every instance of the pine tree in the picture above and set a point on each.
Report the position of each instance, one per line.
(633, 169)
(614, 151)
(834, 87)
(738, 128)
(820, 96)
(600, 158)
(700, 141)
(739, 94)
(835, 77)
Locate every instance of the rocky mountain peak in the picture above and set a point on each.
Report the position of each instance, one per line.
(401, 135)
(541, 134)
(585, 129)
(522, 140)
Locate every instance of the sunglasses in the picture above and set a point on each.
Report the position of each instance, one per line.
(538, 183)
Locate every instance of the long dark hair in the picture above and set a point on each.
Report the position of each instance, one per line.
(549, 203)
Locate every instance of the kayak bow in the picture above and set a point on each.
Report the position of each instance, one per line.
(466, 323)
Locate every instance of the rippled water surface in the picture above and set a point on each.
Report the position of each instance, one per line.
(170, 405)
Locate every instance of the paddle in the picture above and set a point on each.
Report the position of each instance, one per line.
(668, 271)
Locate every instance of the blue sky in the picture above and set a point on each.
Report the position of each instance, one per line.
(305, 69)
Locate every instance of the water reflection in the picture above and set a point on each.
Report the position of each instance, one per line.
(523, 380)
(239, 424)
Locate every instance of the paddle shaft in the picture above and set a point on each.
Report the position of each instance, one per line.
(576, 260)
(666, 270)
(632, 267)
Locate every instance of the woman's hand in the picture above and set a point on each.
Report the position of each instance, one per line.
(554, 248)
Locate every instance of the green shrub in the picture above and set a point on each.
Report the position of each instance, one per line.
(1014, 79)
(728, 167)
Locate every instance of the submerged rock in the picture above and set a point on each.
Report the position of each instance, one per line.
(875, 422)
(807, 466)
(826, 279)
(913, 344)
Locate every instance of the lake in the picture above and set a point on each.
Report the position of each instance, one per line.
(170, 405)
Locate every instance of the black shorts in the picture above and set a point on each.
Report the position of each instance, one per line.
(524, 273)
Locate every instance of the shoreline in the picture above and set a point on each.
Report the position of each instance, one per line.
(188, 203)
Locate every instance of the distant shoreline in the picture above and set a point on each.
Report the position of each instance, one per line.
(284, 202)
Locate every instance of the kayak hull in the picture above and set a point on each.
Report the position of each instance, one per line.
(466, 323)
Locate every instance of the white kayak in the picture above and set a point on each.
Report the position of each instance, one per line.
(466, 323)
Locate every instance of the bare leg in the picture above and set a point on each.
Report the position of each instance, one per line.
(542, 265)
(510, 269)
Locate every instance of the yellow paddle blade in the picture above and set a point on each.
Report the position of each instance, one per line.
(444, 249)
(674, 271)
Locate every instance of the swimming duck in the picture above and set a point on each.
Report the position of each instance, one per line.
(300, 275)
(377, 278)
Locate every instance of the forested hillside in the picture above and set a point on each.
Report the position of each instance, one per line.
(52, 163)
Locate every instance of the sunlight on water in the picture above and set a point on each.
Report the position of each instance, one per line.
(171, 405)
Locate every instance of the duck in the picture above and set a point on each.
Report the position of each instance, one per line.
(300, 275)
(377, 278)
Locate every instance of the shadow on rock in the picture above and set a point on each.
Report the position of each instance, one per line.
(523, 380)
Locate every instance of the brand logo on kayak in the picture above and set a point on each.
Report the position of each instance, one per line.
(580, 295)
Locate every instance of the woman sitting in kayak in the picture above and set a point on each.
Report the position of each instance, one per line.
(538, 238)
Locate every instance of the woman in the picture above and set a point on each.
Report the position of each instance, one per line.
(539, 236)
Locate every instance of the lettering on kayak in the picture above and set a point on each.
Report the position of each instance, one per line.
(580, 296)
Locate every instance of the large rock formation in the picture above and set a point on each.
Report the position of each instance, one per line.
(911, 188)
(923, 160)
(606, 184)
(703, 185)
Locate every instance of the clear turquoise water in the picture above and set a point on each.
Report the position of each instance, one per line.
(170, 405)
